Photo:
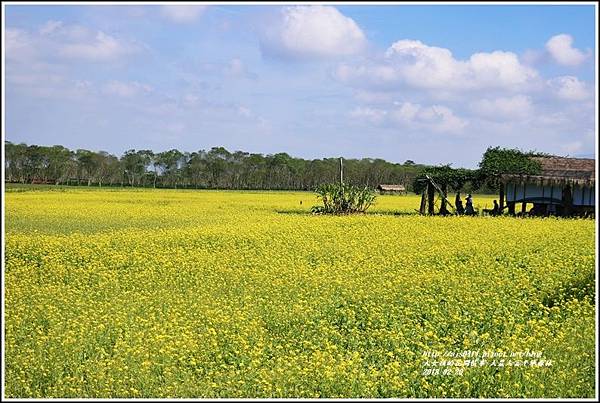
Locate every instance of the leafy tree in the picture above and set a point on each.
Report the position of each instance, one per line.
(215, 168)
(133, 165)
(343, 198)
(497, 161)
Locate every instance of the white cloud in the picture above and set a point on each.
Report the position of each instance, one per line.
(435, 118)
(50, 27)
(55, 39)
(43, 82)
(407, 112)
(191, 99)
(516, 107)
(245, 112)
(19, 46)
(440, 119)
(414, 64)
(372, 115)
(569, 88)
(101, 47)
(237, 68)
(373, 97)
(126, 89)
(182, 14)
(305, 32)
(561, 49)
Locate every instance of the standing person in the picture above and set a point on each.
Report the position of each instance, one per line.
(469, 206)
(460, 210)
(496, 209)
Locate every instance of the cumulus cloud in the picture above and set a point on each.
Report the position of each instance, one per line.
(101, 47)
(569, 88)
(56, 39)
(561, 50)
(436, 118)
(312, 32)
(415, 64)
(126, 89)
(182, 14)
(506, 108)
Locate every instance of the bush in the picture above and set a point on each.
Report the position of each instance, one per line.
(343, 199)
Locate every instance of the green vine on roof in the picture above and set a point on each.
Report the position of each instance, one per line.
(497, 161)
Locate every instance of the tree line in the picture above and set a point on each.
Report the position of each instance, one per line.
(216, 168)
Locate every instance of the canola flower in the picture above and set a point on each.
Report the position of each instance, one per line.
(171, 293)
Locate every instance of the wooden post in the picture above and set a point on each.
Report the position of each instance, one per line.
(567, 200)
(551, 206)
(422, 207)
(524, 204)
(341, 172)
(430, 198)
(501, 198)
(443, 209)
(511, 208)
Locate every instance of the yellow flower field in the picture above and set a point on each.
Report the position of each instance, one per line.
(176, 293)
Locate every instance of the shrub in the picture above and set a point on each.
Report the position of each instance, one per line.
(342, 198)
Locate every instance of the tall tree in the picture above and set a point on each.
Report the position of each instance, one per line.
(216, 168)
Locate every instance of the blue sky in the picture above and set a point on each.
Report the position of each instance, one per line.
(431, 83)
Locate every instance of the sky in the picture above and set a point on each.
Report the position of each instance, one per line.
(436, 84)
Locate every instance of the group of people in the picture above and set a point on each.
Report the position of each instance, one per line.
(468, 208)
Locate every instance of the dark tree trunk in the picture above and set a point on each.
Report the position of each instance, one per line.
(430, 198)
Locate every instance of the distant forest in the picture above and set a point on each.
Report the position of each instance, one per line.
(217, 168)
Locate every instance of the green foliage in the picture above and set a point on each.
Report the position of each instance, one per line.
(221, 169)
(454, 178)
(342, 198)
(216, 168)
(497, 161)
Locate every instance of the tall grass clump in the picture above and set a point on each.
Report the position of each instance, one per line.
(342, 198)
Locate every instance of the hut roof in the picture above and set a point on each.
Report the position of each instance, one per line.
(392, 188)
(560, 170)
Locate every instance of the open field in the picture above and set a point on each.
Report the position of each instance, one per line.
(167, 293)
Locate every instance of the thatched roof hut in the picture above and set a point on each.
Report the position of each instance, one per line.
(565, 186)
(391, 188)
(559, 171)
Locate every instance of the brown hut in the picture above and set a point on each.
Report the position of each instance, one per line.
(565, 186)
(391, 189)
